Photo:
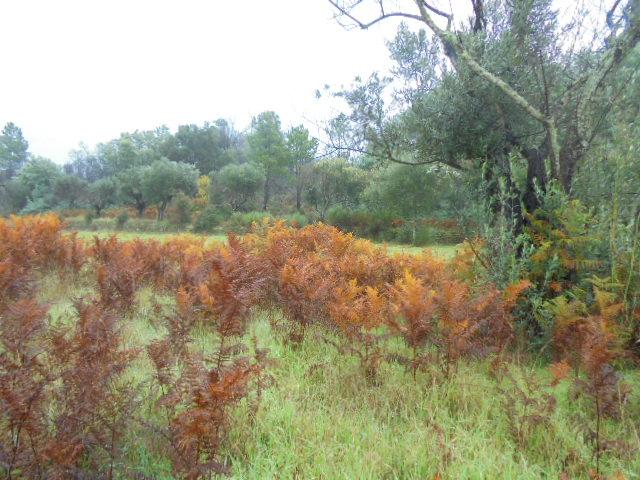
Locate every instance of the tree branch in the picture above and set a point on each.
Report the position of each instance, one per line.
(389, 157)
(366, 25)
(612, 58)
(449, 39)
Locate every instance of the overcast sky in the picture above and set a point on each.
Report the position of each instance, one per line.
(86, 70)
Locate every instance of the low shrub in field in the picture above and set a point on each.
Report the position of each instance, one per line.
(198, 400)
(207, 220)
(149, 225)
(121, 220)
(180, 211)
(243, 222)
(383, 226)
(424, 232)
(361, 222)
(296, 220)
(64, 408)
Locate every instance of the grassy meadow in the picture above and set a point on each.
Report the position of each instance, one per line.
(442, 251)
(321, 419)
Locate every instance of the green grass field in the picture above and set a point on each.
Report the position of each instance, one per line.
(443, 251)
(322, 420)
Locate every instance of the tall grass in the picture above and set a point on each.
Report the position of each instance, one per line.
(322, 419)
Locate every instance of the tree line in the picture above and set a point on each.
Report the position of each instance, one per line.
(216, 168)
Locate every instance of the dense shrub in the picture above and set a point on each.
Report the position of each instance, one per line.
(296, 220)
(378, 225)
(242, 222)
(180, 211)
(121, 220)
(361, 222)
(207, 220)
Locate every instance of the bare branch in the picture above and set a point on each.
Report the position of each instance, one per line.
(480, 22)
(611, 13)
(433, 9)
(383, 16)
(618, 50)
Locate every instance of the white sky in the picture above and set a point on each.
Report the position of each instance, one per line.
(86, 70)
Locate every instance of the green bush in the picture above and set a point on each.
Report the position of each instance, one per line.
(121, 220)
(89, 217)
(374, 225)
(346, 219)
(297, 220)
(150, 226)
(241, 222)
(180, 212)
(104, 224)
(426, 235)
(408, 233)
(208, 220)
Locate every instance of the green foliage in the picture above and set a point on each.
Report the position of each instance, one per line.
(164, 179)
(405, 191)
(13, 151)
(335, 182)
(180, 211)
(83, 163)
(88, 219)
(208, 148)
(104, 224)
(130, 150)
(239, 185)
(565, 249)
(207, 220)
(365, 223)
(267, 150)
(302, 150)
(122, 219)
(101, 194)
(243, 222)
(69, 191)
(130, 188)
(38, 177)
(297, 220)
(14, 196)
(417, 235)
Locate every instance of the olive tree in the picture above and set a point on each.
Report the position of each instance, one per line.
(164, 179)
(514, 81)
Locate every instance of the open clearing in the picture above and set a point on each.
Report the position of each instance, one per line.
(442, 251)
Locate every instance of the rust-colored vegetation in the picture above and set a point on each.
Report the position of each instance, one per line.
(69, 398)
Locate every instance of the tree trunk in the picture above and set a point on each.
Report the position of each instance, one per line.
(141, 207)
(265, 201)
(161, 209)
(572, 152)
(298, 196)
(536, 177)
